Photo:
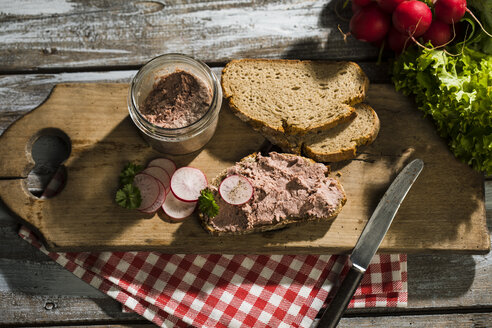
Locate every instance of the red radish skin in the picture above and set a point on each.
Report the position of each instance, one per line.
(187, 182)
(149, 189)
(236, 190)
(450, 11)
(176, 209)
(412, 18)
(355, 8)
(161, 175)
(361, 3)
(158, 202)
(438, 34)
(397, 41)
(166, 164)
(370, 24)
(389, 6)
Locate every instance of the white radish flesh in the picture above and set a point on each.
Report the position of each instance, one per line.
(177, 209)
(236, 190)
(161, 175)
(158, 202)
(149, 189)
(187, 182)
(166, 164)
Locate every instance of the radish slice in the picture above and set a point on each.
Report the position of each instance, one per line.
(177, 209)
(187, 182)
(165, 164)
(149, 189)
(236, 190)
(161, 175)
(158, 202)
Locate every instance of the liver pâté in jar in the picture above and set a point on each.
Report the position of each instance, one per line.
(174, 100)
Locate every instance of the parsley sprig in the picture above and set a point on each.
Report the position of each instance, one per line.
(128, 196)
(129, 172)
(207, 204)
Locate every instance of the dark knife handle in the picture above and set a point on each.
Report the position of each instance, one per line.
(337, 307)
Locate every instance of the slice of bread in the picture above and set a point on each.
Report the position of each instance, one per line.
(292, 96)
(343, 141)
(336, 144)
(285, 165)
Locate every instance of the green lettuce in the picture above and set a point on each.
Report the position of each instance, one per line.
(456, 91)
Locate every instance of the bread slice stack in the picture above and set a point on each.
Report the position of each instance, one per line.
(307, 107)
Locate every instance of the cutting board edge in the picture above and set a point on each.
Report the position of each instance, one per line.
(281, 250)
(26, 222)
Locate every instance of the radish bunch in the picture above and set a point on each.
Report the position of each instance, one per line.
(399, 23)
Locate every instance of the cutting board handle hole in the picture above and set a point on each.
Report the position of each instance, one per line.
(49, 150)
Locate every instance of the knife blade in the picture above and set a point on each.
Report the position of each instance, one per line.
(369, 241)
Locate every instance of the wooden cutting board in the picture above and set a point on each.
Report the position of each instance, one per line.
(443, 212)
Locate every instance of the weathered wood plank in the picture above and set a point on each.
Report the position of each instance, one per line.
(53, 34)
(45, 279)
(424, 321)
(22, 309)
(20, 94)
(120, 325)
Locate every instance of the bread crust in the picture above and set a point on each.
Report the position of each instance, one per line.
(346, 153)
(284, 223)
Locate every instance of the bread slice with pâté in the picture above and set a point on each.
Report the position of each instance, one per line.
(287, 189)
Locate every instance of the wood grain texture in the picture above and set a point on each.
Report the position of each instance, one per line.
(421, 321)
(479, 320)
(47, 34)
(84, 216)
(23, 309)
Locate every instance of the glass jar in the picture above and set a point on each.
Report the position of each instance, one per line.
(182, 140)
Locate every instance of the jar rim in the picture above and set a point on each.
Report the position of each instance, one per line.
(184, 59)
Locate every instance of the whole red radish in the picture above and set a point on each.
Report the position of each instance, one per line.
(438, 34)
(450, 11)
(412, 17)
(370, 24)
(389, 5)
(397, 41)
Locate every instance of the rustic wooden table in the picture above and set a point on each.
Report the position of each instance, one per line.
(43, 43)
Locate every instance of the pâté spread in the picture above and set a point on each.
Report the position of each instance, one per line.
(176, 100)
(285, 186)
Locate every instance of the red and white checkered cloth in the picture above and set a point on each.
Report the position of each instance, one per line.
(178, 290)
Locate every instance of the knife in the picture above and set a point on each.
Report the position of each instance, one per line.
(369, 241)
